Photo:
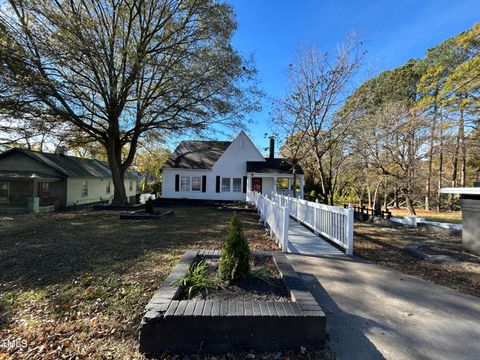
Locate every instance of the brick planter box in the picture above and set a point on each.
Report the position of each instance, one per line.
(142, 215)
(118, 207)
(189, 326)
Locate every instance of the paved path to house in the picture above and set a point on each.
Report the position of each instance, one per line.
(302, 241)
(377, 313)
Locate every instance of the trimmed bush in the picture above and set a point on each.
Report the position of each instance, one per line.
(149, 206)
(234, 262)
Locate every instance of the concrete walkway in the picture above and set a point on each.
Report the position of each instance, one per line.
(378, 313)
(302, 241)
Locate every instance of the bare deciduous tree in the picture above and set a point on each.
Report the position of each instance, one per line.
(117, 69)
(320, 83)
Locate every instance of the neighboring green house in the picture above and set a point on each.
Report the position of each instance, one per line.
(32, 181)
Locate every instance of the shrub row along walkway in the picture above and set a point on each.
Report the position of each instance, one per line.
(378, 313)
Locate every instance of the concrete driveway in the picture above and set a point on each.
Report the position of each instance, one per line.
(378, 313)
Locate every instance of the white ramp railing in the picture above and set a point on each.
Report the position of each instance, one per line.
(332, 222)
(273, 214)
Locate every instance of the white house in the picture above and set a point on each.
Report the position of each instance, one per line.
(223, 170)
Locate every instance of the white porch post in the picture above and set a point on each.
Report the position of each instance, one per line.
(34, 200)
(249, 182)
(301, 187)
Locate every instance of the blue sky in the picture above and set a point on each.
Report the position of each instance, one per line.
(392, 31)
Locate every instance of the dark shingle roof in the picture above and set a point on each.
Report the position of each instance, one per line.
(197, 154)
(277, 165)
(71, 166)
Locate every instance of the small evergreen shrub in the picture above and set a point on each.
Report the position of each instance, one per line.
(234, 263)
(149, 206)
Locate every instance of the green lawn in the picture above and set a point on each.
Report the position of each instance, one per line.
(75, 283)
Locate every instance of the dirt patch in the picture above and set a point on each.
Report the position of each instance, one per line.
(385, 246)
(454, 250)
(268, 286)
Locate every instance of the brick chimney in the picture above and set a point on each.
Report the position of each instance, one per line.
(61, 150)
(272, 148)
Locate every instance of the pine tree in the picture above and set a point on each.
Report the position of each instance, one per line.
(235, 260)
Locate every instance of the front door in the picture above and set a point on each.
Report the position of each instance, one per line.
(257, 184)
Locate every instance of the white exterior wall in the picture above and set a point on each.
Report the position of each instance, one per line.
(97, 190)
(231, 164)
(267, 186)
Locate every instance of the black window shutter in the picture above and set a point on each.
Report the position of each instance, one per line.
(177, 182)
(204, 183)
(218, 184)
(244, 184)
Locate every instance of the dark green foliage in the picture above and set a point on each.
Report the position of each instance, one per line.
(149, 206)
(234, 263)
(263, 275)
(196, 279)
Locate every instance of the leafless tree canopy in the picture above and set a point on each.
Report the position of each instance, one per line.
(308, 117)
(116, 69)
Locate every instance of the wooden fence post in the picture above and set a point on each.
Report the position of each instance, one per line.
(285, 229)
(315, 221)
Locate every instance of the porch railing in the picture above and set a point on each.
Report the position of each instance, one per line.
(332, 222)
(273, 215)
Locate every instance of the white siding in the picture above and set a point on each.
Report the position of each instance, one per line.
(267, 186)
(97, 190)
(232, 164)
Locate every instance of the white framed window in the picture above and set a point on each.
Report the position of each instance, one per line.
(108, 189)
(84, 189)
(4, 191)
(237, 185)
(196, 183)
(185, 183)
(225, 184)
(130, 185)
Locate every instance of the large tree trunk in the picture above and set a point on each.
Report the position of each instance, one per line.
(322, 179)
(440, 165)
(455, 168)
(463, 149)
(369, 194)
(410, 175)
(294, 181)
(409, 202)
(396, 202)
(376, 198)
(114, 152)
(385, 196)
(430, 159)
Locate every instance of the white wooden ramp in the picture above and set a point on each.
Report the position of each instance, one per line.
(303, 241)
(331, 222)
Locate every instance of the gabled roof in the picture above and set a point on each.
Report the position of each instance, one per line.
(70, 166)
(197, 154)
(272, 166)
